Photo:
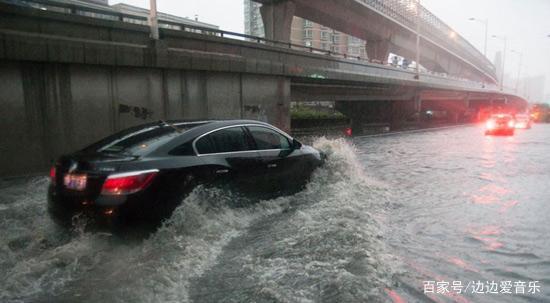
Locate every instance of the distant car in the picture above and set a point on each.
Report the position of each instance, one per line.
(501, 124)
(144, 172)
(523, 121)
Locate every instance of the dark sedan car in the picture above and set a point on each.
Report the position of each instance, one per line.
(144, 172)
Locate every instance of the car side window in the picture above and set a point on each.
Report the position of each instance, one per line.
(222, 141)
(185, 149)
(266, 138)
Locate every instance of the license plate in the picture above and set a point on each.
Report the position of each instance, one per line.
(75, 181)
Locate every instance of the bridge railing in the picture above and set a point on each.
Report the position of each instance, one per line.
(95, 11)
(410, 13)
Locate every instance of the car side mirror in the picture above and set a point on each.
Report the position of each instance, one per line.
(296, 144)
(293, 146)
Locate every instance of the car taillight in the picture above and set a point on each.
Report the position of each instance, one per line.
(490, 124)
(128, 183)
(511, 123)
(52, 174)
(348, 131)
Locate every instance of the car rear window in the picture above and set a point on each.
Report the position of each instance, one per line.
(137, 141)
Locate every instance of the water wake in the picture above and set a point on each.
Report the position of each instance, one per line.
(326, 248)
(323, 243)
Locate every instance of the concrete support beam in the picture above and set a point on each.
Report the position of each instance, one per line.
(354, 111)
(467, 101)
(277, 18)
(418, 106)
(53, 108)
(378, 50)
(364, 115)
(267, 99)
(398, 113)
(417, 103)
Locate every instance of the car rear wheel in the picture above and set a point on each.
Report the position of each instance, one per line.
(174, 196)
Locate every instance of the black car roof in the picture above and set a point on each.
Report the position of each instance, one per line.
(189, 130)
(223, 123)
(206, 124)
(215, 124)
(201, 128)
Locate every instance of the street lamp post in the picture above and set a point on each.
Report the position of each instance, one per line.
(519, 68)
(153, 19)
(505, 40)
(485, 23)
(417, 6)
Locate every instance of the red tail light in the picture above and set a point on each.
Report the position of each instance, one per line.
(490, 124)
(128, 183)
(348, 132)
(52, 174)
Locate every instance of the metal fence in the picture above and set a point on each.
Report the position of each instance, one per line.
(410, 13)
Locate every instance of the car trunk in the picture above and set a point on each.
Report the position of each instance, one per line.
(81, 175)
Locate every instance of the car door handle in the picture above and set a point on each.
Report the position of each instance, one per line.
(271, 165)
(222, 171)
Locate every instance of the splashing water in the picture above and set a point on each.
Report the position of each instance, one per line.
(326, 248)
(323, 243)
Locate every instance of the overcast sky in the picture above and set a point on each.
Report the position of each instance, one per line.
(526, 23)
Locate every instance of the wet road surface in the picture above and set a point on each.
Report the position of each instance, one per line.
(385, 218)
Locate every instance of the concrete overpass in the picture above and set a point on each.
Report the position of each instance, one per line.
(68, 80)
(387, 26)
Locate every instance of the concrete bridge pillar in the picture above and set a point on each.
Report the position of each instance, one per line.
(467, 102)
(277, 17)
(398, 113)
(378, 50)
(417, 104)
(404, 112)
(354, 111)
(467, 114)
(365, 114)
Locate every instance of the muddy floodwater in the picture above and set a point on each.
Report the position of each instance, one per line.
(385, 220)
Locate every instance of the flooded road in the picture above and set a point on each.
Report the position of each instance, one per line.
(469, 209)
(385, 219)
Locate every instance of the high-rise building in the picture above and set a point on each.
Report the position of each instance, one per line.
(100, 6)
(253, 24)
(138, 11)
(306, 33)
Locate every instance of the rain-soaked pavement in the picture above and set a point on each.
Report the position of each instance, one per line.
(437, 216)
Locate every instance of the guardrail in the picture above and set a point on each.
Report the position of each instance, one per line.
(409, 13)
(108, 13)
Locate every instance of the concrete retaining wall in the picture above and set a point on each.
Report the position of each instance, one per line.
(50, 108)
